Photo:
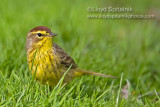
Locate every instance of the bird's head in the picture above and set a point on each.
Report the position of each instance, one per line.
(40, 36)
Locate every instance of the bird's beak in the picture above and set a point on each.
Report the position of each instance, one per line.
(52, 34)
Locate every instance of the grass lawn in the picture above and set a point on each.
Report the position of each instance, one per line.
(126, 48)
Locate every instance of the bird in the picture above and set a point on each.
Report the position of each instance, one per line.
(48, 62)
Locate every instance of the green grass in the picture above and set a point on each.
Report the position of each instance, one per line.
(127, 49)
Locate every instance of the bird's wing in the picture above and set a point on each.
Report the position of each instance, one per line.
(66, 60)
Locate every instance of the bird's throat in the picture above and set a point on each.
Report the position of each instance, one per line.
(39, 50)
(45, 44)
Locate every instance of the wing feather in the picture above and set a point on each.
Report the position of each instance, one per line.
(66, 60)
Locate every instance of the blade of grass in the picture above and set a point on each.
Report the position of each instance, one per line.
(157, 94)
(105, 92)
(64, 97)
(119, 91)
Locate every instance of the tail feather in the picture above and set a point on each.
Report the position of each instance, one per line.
(81, 72)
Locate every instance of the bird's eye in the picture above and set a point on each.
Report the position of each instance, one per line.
(39, 34)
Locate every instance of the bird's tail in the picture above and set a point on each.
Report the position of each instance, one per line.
(81, 72)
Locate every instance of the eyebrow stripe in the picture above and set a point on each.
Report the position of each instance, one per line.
(42, 32)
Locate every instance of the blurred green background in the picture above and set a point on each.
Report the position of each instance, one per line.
(111, 46)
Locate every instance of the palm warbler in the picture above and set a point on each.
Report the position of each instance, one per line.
(48, 61)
